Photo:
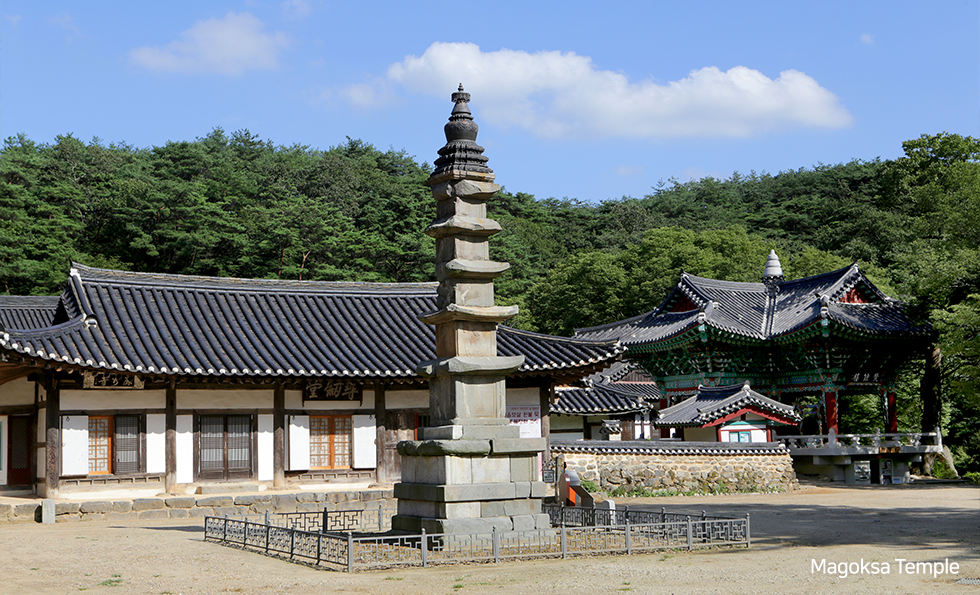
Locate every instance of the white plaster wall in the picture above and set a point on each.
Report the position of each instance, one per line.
(758, 432)
(74, 445)
(100, 400)
(365, 435)
(294, 400)
(298, 438)
(185, 449)
(156, 438)
(224, 399)
(17, 392)
(265, 446)
(406, 399)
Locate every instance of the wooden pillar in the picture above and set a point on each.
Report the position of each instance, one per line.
(718, 433)
(544, 401)
(891, 403)
(52, 438)
(279, 436)
(170, 439)
(930, 389)
(830, 407)
(380, 416)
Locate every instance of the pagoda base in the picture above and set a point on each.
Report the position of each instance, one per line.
(470, 485)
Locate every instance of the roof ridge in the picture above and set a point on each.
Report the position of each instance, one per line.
(117, 277)
(609, 325)
(596, 342)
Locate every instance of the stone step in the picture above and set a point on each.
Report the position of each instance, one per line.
(228, 488)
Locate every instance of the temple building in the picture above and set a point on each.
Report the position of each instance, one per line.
(733, 413)
(825, 336)
(156, 383)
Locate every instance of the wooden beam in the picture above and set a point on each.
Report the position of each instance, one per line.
(52, 437)
(170, 439)
(279, 436)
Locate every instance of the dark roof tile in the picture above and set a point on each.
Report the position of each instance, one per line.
(204, 326)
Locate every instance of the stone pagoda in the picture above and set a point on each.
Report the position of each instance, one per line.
(470, 472)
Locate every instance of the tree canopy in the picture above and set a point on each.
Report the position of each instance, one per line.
(237, 205)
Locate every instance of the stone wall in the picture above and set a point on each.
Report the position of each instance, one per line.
(196, 507)
(674, 472)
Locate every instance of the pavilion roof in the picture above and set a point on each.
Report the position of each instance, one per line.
(160, 324)
(715, 402)
(765, 311)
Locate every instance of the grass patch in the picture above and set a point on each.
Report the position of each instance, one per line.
(115, 581)
(394, 578)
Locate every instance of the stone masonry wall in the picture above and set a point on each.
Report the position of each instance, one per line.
(196, 507)
(684, 472)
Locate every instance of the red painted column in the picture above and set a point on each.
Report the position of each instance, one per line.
(892, 402)
(830, 406)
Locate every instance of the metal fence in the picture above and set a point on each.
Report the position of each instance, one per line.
(579, 532)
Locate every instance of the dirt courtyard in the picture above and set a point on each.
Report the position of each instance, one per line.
(791, 534)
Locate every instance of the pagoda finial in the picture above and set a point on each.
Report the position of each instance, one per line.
(773, 273)
(461, 153)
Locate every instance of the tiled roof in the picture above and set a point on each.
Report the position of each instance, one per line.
(668, 447)
(596, 400)
(750, 310)
(27, 312)
(714, 402)
(207, 326)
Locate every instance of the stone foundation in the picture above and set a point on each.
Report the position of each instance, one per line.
(191, 507)
(680, 469)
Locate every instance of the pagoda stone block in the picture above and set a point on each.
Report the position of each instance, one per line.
(471, 472)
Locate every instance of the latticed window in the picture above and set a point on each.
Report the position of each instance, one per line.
(113, 444)
(100, 444)
(225, 446)
(126, 440)
(330, 441)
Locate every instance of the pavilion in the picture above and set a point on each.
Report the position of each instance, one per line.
(828, 335)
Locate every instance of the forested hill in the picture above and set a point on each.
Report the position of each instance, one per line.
(241, 206)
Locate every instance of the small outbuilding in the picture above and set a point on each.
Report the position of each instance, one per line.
(733, 413)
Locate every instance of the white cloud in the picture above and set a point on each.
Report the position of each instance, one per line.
(867, 39)
(296, 9)
(66, 22)
(564, 95)
(229, 46)
(13, 18)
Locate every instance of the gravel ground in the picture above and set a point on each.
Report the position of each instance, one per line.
(927, 523)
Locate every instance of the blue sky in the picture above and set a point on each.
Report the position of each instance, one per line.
(573, 100)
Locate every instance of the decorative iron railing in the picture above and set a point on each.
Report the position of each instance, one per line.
(876, 440)
(298, 537)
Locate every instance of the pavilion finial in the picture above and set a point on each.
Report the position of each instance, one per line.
(773, 273)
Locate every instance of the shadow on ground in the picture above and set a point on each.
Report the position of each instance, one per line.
(824, 520)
